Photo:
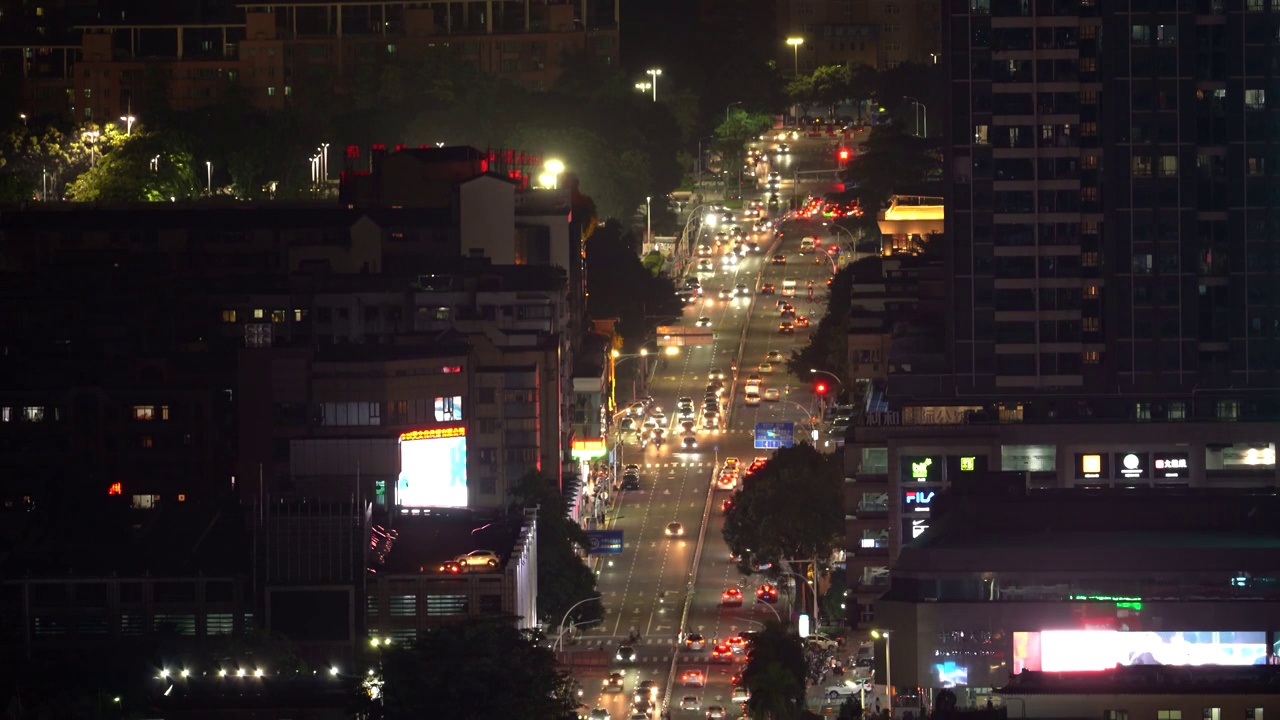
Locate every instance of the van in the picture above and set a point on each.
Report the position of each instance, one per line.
(806, 245)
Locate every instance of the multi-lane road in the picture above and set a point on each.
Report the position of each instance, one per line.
(661, 586)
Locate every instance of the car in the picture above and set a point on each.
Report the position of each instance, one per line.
(787, 310)
(630, 482)
(772, 394)
(675, 529)
(754, 379)
(614, 683)
(742, 290)
(848, 688)
(722, 653)
(625, 653)
(765, 367)
(715, 712)
(729, 259)
(716, 374)
(636, 409)
(689, 443)
(628, 424)
(727, 481)
(822, 642)
(683, 401)
(767, 593)
(775, 175)
(641, 715)
(478, 559)
(704, 250)
(705, 265)
(724, 294)
(688, 425)
(599, 714)
(774, 356)
(802, 321)
(694, 641)
(731, 597)
(767, 289)
(786, 327)
(740, 694)
(735, 679)
(732, 463)
(642, 710)
(727, 505)
(693, 678)
(647, 689)
(631, 467)
(659, 417)
(690, 702)
(779, 260)
(703, 322)
(751, 398)
(783, 149)
(737, 644)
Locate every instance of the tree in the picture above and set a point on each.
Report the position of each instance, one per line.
(894, 159)
(618, 285)
(801, 91)
(775, 674)
(147, 167)
(861, 82)
(828, 345)
(833, 600)
(831, 86)
(480, 670)
(563, 578)
(790, 508)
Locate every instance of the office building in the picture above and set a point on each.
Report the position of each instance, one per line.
(1007, 582)
(278, 54)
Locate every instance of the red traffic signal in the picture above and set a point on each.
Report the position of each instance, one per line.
(820, 388)
(844, 154)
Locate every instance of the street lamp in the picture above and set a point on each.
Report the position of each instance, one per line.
(565, 619)
(648, 218)
(919, 109)
(155, 164)
(795, 43)
(833, 376)
(23, 118)
(726, 108)
(550, 177)
(888, 667)
(654, 73)
(324, 161)
(644, 86)
(208, 165)
(91, 139)
(128, 121)
(774, 609)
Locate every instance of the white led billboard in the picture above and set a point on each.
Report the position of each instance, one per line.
(433, 468)
(1084, 650)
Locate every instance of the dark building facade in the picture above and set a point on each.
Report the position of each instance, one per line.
(1110, 213)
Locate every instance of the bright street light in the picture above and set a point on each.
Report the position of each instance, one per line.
(208, 164)
(795, 43)
(888, 666)
(550, 177)
(654, 73)
(128, 121)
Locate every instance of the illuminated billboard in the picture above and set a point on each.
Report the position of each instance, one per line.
(1088, 650)
(433, 468)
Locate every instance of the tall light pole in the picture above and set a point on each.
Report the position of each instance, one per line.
(654, 73)
(918, 106)
(644, 86)
(155, 164)
(814, 371)
(324, 162)
(888, 667)
(698, 181)
(208, 165)
(91, 138)
(648, 218)
(726, 109)
(565, 619)
(128, 121)
(795, 43)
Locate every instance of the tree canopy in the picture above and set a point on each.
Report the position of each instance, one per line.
(563, 578)
(775, 674)
(480, 670)
(790, 508)
(619, 285)
(828, 346)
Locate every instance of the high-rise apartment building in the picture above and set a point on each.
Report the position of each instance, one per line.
(1111, 213)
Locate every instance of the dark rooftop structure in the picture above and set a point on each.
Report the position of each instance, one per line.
(427, 540)
(1150, 680)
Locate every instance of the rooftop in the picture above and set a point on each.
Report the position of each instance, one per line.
(426, 541)
(1150, 680)
(214, 216)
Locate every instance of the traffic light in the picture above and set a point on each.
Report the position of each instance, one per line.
(844, 155)
(820, 388)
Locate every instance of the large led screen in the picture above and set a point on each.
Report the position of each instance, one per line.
(433, 468)
(1085, 650)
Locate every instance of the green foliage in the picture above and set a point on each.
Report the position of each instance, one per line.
(563, 578)
(834, 598)
(477, 670)
(38, 157)
(831, 86)
(775, 673)
(894, 159)
(653, 262)
(618, 285)
(790, 508)
(126, 174)
(828, 345)
(739, 127)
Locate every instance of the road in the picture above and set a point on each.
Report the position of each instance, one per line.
(661, 584)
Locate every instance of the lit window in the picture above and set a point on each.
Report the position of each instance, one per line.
(1168, 165)
(1141, 166)
(1090, 324)
(144, 412)
(147, 441)
(33, 413)
(164, 412)
(448, 408)
(1255, 99)
(1091, 291)
(1090, 357)
(1227, 410)
(258, 313)
(278, 316)
(1177, 410)
(1168, 715)
(271, 91)
(228, 316)
(6, 414)
(980, 135)
(299, 314)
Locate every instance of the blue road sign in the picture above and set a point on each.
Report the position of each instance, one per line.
(604, 542)
(773, 435)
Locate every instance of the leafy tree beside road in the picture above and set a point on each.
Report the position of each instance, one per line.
(793, 507)
(563, 578)
(775, 674)
(480, 670)
(619, 285)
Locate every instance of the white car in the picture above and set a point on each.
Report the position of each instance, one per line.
(741, 694)
(705, 265)
(689, 443)
(772, 395)
(773, 356)
(675, 529)
(703, 322)
(822, 642)
(599, 714)
(660, 418)
(478, 559)
(690, 702)
(765, 367)
(844, 690)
